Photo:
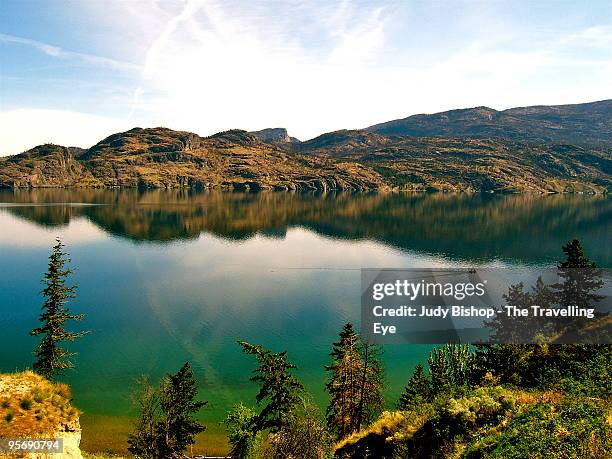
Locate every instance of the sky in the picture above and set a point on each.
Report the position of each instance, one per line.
(75, 71)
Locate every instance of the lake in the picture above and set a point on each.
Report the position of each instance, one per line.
(171, 276)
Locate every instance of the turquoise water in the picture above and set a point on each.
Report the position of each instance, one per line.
(166, 277)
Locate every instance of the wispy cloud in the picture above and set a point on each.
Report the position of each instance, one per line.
(590, 37)
(55, 51)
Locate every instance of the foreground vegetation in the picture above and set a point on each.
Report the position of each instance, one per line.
(494, 400)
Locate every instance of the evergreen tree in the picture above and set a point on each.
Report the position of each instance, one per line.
(178, 426)
(541, 364)
(343, 385)
(371, 385)
(167, 423)
(509, 329)
(541, 295)
(278, 386)
(417, 391)
(355, 385)
(580, 280)
(51, 358)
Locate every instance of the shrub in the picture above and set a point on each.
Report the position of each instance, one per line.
(304, 436)
(451, 367)
(458, 419)
(241, 432)
(25, 404)
(567, 430)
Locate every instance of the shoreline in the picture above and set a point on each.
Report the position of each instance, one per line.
(107, 434)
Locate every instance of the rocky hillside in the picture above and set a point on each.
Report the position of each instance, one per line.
(32, 407)
(541, 149)
(425, 163)
(163, 158)
(582, 124)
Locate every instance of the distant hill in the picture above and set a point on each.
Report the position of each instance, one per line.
(582, 124)
(543, 149)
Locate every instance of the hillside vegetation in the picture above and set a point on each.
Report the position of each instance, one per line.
(539, 149)
(33, 407)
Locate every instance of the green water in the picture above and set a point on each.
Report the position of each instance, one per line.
(166, 277)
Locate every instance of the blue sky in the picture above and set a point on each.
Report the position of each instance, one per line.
(73, 72)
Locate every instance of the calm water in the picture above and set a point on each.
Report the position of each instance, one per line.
(166, 277)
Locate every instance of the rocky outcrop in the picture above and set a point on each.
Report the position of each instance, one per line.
(275, 135)
(32, 407)
(45, 165)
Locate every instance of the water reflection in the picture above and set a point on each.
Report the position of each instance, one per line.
(523, 228)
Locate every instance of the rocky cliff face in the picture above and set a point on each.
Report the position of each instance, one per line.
(275, 135)
(45, 165)
(32, 407)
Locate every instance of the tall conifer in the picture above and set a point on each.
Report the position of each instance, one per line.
(279, 388)
(51, 358)
(355, 383)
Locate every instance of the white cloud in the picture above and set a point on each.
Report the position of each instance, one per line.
(55, 51)
(314, 67)
(23, 129)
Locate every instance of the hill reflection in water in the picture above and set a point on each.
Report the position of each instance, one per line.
(482, 227)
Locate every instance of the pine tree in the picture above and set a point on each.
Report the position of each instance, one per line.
(343, 386)
(167, 423)
(143, 440)
(278, 386)
(580, 280)
(355, 385)
(417, 391)
(178, 426)
(536, 328)
(51, 358)
(371, 384)
(509, 329)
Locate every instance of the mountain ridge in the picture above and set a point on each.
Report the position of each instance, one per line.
(462, 158)
(584, 124)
